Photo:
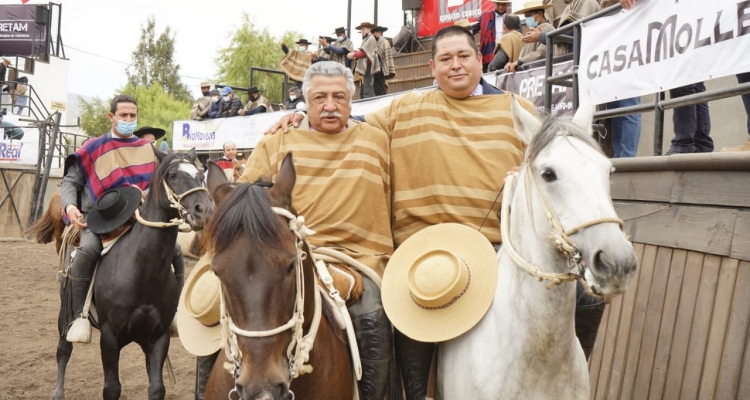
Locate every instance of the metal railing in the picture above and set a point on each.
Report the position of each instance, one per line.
(562, 35)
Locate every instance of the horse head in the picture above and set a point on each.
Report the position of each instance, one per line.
(571, 178)
(177, 186)
(257, 260)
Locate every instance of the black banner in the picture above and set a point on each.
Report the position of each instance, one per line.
(20, 35)
(530, 85)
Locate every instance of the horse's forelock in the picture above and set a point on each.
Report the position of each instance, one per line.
(553, 127)
(246, 211)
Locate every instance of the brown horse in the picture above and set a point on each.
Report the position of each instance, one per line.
(50, 226)
(255, 255)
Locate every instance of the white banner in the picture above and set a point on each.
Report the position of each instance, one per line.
(663, 44)
(22, 151)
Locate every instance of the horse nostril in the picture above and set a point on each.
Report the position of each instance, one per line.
(198, 209)
(599, 263)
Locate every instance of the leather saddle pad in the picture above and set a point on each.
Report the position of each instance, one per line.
(347, 281)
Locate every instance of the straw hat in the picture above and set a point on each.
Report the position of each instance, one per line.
(464, 22)
(198, 312)
(440, 282)
(533, 5)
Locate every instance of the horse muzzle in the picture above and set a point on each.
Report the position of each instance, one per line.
(267, 392)
(198, 215)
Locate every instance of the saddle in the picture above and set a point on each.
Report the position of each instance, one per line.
(72, 236)
(347, 281)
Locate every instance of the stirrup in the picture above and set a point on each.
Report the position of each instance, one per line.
(79, 331)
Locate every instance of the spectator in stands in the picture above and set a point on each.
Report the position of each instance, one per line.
(365, 61)
(321, 55)
(743, 78)
(256, 103)
(230, 104)
(18, 92)
(295, 101)
(692, 124)
(385, 57)
(202, 105)
(509, 48)
(626, 130)
(215, 109)
(490, 24)
(574, 11)
(301, 46)
(4, 69)
(533, 11)
(227, 160)
(340, 48)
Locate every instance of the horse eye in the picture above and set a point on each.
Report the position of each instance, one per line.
(549, 175)
(172, 175)
(290, 269)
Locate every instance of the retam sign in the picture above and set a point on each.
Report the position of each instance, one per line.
(20, 35)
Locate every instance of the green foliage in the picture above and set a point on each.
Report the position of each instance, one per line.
(153, 62)
(252, 47)
(94, 116)
(156, 108)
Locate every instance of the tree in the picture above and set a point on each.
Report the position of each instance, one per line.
(153, 62)
(251, 47)
(156, 108)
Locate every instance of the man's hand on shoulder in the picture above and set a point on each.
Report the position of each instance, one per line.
(284, 122)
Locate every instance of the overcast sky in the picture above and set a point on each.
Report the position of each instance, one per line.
(99, 35)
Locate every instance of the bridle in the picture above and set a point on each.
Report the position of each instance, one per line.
(175, 201)
(559, 235)
(298, 351)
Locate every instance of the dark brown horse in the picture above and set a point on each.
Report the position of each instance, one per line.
(255, 257)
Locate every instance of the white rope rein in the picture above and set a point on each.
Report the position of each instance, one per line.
(560, 237)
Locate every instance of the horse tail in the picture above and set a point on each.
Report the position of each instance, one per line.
(42, 230)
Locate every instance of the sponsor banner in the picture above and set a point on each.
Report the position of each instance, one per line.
(530, 84)
(24, 151)
(19, 34)
(437, 14)
(660, 45)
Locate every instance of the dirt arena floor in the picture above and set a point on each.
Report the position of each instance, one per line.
(28, 337)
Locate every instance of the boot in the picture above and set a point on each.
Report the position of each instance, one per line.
(589, 312)
(414, 359)
(203, 367)
(178, 265)
(79, 279)
(374, 340)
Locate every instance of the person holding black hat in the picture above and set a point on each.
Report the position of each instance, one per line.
(385, 58)
(340, 47)
(256, 104)
(365, 61)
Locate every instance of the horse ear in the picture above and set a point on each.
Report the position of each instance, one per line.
(159, 154)
(216, 179)
(191, 155)
(584, 116)
(526, 123)
(286, 179)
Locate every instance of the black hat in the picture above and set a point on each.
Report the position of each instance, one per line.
(302, 41)
(113, 209)
(340, 30)
(253, 89)
(380, 29)
(157, 132)
(365, 25)
(327, 38)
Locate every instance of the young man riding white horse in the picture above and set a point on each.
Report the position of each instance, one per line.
(343, 192)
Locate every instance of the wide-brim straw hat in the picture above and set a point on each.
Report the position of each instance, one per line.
(440, 282)
(533, 5)
(198, 312)
(464, 22)
(502, 1)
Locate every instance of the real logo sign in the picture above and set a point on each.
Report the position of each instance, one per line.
(10, 152)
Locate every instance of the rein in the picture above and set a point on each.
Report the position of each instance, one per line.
(175, 201)
(560, 236)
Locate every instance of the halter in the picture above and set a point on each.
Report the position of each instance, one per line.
(298, 352)
(560, 236)
(175, 201)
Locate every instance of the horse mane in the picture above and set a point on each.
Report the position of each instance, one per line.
(553, 127)
(246, 211)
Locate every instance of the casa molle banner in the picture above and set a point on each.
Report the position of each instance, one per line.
(660, 45)
(19, 34)
(436, 14)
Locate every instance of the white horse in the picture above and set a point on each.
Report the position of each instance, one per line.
(525, 347)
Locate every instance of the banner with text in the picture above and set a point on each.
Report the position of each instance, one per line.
(660, 45)
(24, 151)
(437, 14)
(19, 34)
(530, 84)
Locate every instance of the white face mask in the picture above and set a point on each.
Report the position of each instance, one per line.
(292, 97)
(214, 99)
(302, 48)
(340, 39)
(226, 98)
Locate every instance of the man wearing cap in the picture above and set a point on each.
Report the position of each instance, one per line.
(201, 106)
(534, 12)
(113, 160)
(256, 103)
(339, 48)
(451, 149)
(230, 104)
(385, 57)
(214, 110)
(490, 24)
(342, 190)
(365, 61)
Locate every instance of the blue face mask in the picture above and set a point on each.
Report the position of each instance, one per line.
(126, 128)
(531, 22)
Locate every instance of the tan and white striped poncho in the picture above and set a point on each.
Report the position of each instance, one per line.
(449, 158)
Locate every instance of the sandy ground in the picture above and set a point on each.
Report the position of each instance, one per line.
(28, 337)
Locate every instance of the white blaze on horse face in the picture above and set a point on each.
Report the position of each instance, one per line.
(189, 169)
